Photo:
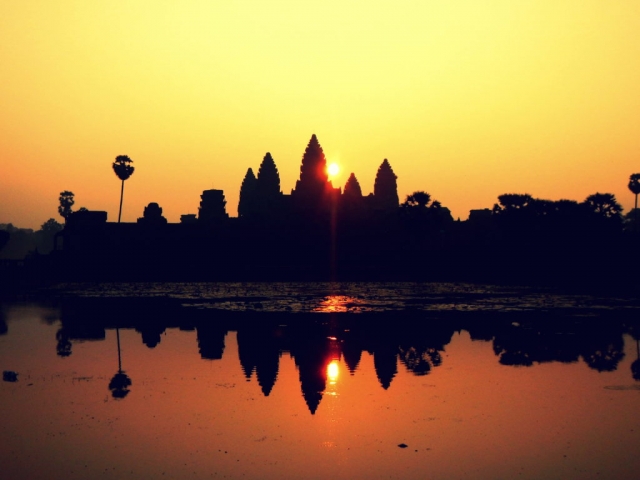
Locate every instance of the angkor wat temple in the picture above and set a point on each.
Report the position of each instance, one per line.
(306, 233)
(319, 232)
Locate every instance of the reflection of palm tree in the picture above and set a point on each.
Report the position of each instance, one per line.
(123, 169)
(605, 355)
(120, 383)
(419, 359)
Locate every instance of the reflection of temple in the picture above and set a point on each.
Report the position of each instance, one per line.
(259, 352)
(211, 340)
(312, 342)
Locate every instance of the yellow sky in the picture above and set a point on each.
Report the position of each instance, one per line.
(467, 99)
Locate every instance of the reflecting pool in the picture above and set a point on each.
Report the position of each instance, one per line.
(110, 387)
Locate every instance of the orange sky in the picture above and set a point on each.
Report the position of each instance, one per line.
(467, 99)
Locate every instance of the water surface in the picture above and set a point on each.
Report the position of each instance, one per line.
(222, 391)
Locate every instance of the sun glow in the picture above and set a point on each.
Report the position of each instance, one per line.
(333, 371)
(333, 169)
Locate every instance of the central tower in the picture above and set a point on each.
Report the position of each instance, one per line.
(313, 188)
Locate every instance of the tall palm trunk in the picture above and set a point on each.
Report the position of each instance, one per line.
(121, 197)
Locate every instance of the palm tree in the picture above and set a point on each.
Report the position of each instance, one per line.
(417, 200)
(66, 202)
(604, 204)
(123, 169)
(634, 185)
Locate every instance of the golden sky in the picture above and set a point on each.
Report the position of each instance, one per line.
(468, 99)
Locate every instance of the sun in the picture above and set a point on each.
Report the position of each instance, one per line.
(333, 169)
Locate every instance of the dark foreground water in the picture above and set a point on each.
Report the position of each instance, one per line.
(318, 381)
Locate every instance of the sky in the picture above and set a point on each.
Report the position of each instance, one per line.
(467, 99)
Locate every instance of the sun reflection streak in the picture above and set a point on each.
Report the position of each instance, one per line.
(333, 372)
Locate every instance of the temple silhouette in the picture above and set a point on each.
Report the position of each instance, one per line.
(316, 231)
(322, 232)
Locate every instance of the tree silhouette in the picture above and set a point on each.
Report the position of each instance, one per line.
(604, 204)
(123, 170)
(420, 216)
(247, 193)
(66, 202)
(51, 226)
(634, 186)
(417, 200)
(45, 236)
(509, 202)
(385, 188)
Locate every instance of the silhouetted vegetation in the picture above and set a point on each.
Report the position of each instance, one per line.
(21, 242)
(123, 170)
(66, 202)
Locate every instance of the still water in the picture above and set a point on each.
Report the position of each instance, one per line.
(235, 385)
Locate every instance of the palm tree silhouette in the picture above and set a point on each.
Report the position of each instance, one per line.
(417, 199)
(120, 383)
(634, 185)
(66, 202)
(604, 204)
(123, 169)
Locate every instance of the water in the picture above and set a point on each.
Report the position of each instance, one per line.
(410, 388)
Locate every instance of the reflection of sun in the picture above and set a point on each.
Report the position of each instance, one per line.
(333, 303)
(333, 371)
(333, 169)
